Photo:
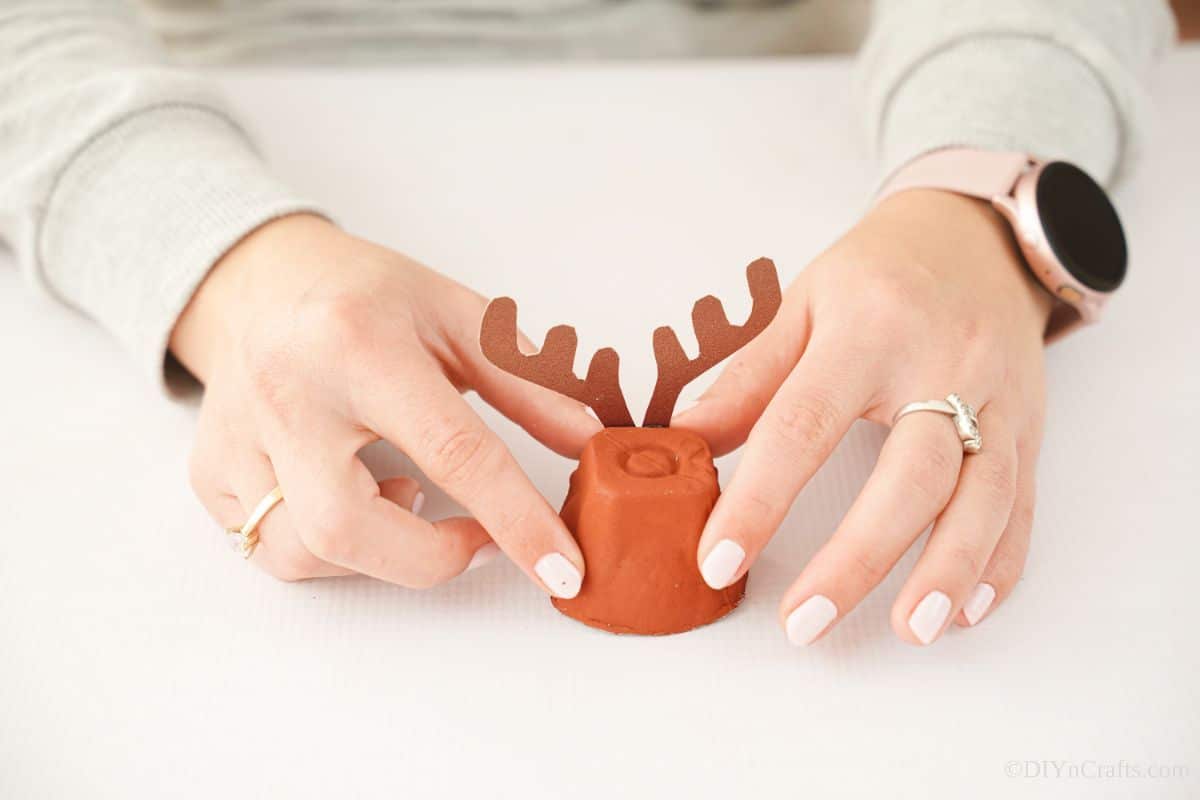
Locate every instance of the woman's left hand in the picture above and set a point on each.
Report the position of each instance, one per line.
(926, 296)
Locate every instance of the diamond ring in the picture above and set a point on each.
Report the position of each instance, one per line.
(243, 540)
(966, 421)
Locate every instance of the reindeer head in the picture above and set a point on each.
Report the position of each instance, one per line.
(553, 366)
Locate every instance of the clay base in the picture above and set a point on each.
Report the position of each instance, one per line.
(637, 506)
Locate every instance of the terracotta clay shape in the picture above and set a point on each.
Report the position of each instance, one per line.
(640, 498)
(637, 505)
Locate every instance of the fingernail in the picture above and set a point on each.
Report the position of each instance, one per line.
(482, 556)
(929, 616)
(418, 502)
(722, 563)
(979, 602)
(809, 618)
(559, 575)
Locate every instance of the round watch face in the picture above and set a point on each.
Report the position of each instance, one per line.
(1081, 226)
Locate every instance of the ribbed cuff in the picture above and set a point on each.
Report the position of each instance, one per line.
(142, 213)
(1025, 76)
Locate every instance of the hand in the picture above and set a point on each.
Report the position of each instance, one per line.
(311, 344)
(927, 295)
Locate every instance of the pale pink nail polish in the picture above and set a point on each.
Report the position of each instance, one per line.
(809, 619)
(979, 602)
(929, 616)
(722, 563)
(559, 575)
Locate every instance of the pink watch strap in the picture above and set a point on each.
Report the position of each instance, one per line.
(977, 173)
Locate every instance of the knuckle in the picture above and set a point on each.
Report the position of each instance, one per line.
(739, 378)
(869, 568)
(328, 534)
(292, 568)
(459, 456)
(887, 303)
(977, 339)
(268, 369)
(933, 476)
(1005, 571)
(1020, 519)
(1008, 562)
(887, 316)
(429, 578)
(512, 525)
(966, 559)
(809, 425)
(421, 582)
(997, 477)
(199, 472)
(344, 321)
(763, 512)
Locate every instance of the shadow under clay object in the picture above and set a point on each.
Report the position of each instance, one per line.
(639, 500)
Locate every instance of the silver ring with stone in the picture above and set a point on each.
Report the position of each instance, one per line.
(966, 421)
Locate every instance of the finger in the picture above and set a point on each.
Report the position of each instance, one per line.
(911, 483)
(231, 478)
(224, 508)
(213, 447)
(725, 414)
(796, 433)
(343, 517)
(1008, 560)
(404, 492)
(562, 424)
(963, 538)
(452, 446)
(279, 551)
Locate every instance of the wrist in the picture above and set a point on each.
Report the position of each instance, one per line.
(947, 230)
(236, 287)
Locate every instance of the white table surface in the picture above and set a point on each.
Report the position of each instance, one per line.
(139, 658)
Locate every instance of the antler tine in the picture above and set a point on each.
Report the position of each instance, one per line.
(710, 324)
(498, 333)
(553, 366)
(716, 337)
(558, 349)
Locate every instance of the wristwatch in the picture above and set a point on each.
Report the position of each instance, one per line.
(1063, 222)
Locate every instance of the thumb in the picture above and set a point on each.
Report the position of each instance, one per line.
(726, 412)
(559, 422)
(562, 424)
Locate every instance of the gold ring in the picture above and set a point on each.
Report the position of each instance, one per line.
(243, 540)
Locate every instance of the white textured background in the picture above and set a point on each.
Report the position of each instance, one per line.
(139, 658)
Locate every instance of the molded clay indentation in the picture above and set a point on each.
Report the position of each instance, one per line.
(649, 462)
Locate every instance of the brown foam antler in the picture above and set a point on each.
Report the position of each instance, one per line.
(717, 338)
(553, 367)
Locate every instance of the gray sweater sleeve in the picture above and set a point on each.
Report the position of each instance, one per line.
(1055, 78)
(122, 180)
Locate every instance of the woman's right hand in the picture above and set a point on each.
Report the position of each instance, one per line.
(311, 344)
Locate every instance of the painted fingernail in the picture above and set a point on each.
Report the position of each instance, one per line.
(559, 575)
(418, 502)
(722, 563)
(929, 616)
(979, 602)
(810, 618)
(482, 556)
